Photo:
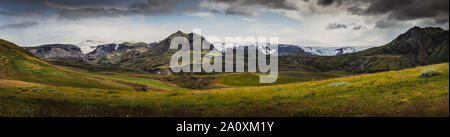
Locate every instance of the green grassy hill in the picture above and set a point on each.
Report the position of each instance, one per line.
(393, 93)
(19, 64)
(419, 45)
(350, 63)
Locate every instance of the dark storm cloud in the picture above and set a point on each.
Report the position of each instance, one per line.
(334, 26)
(146, 7)
(274, 4)
(78, 9)
(328, 2)
(409, 9)
(389, 10)
(404, 10)
(250, 7)
(382, 24)
(153, 7)
(395, 10)
(242, 11)
(91, 12)
(25, 24)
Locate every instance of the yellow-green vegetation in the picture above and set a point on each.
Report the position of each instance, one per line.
(285, 77)
(21, 65)
(146, 81)
(18, 64)
(393, 93)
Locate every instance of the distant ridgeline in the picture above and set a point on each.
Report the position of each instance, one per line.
(418, 46)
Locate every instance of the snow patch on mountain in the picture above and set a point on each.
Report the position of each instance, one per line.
(90, 45)
(333, 51)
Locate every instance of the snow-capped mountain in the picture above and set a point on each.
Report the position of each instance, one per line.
(284, 49)
(348, 50)
(263, 48)
(90, 45)
(332, 51)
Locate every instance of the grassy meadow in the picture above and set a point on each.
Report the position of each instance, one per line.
(393, 93)
(284, 77)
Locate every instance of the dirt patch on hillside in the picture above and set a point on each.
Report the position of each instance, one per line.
(190, 82)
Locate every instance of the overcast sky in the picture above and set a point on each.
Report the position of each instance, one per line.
(300, 22)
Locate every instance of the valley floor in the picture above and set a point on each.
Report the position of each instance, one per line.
(393, 93)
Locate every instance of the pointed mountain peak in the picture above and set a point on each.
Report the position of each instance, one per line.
(415, 28)
(178, 34)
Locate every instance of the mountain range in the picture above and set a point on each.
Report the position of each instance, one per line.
(90, 49)
(418, 46)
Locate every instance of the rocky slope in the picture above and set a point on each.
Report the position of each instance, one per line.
(57, 51)
(157, 58)
(110, 53)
